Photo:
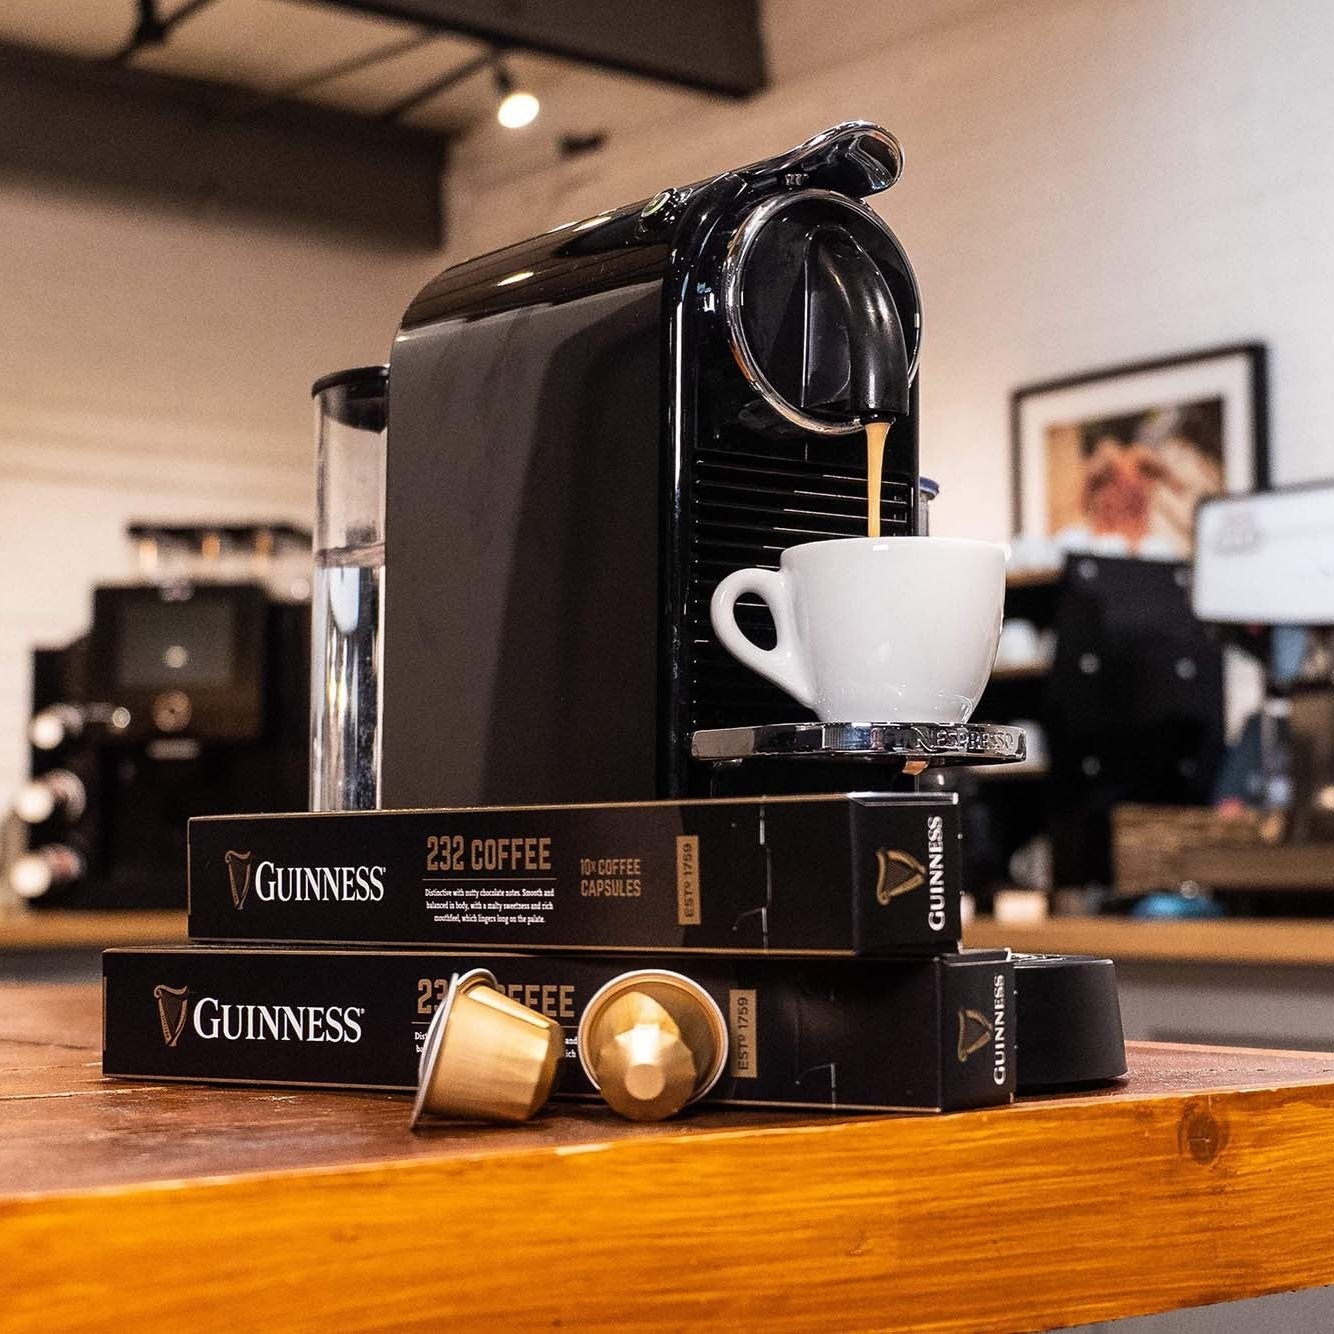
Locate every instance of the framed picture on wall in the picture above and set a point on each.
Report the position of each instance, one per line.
(1116, 460)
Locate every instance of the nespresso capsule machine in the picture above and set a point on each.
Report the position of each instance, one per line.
(587, 431)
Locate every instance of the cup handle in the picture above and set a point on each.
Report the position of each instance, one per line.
(783, 664)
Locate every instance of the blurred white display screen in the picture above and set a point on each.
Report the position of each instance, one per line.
(1266, 559)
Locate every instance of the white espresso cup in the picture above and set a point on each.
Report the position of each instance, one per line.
(875, 630)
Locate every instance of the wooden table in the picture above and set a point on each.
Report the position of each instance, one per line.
(1206, 1177)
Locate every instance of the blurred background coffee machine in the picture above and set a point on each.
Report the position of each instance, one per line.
(188, 695)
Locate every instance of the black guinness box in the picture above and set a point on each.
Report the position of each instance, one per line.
(873, 874)
(854, 1035)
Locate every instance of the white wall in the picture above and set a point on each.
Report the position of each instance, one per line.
(154, 365)
(1088, 181)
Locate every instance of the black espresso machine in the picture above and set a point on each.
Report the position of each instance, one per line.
(188, 695)
(587, 431)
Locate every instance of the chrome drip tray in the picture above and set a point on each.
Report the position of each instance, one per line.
(915, 746)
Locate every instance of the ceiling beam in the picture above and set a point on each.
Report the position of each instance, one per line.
(204, 147)
(713, 45)
(449, 79)
(152, 28)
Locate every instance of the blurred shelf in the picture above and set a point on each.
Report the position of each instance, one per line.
(1033, 578)
(1006, 772)
(56, 929)
(1289, 867)
(1288, 941)
(1029, 672)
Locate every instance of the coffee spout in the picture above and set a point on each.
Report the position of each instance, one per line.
(855, 355)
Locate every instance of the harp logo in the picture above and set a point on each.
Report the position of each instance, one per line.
(978, 1029)
(898, 873)
(975, 1031)
(173, 1007)
(239, 871)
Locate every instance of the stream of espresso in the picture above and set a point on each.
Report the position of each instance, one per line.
(875, 466)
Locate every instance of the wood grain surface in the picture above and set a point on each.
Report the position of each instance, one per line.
(1204, 1177)
(1289, 941)
(56, 929)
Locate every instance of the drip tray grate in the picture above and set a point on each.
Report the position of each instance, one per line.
(916, 746)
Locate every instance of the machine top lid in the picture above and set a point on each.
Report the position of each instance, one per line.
(373, 376)
(641, 241)
(855, 157)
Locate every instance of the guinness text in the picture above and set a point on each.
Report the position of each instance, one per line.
(220, 1020)
(320, 884)
(935, 872)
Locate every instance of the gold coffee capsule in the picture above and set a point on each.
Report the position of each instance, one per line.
(652, 1041)
(486, 1057)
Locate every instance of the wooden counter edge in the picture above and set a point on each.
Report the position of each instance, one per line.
(36, 929)
(1289, 942)
(1051, 1213)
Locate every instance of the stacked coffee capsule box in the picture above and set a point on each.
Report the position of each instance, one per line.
(783, 952)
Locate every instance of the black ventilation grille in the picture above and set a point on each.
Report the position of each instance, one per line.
(747, 508)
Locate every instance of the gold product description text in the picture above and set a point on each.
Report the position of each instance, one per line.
(611, 877)
(687, 880)
(453, 853)
(555, 1000)
(743, 1061)
(489, 882)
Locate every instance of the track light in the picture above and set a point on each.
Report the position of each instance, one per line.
(517, 108)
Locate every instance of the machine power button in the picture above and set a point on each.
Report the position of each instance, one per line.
(662, 210)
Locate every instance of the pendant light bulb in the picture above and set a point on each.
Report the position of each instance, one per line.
(517, 109)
